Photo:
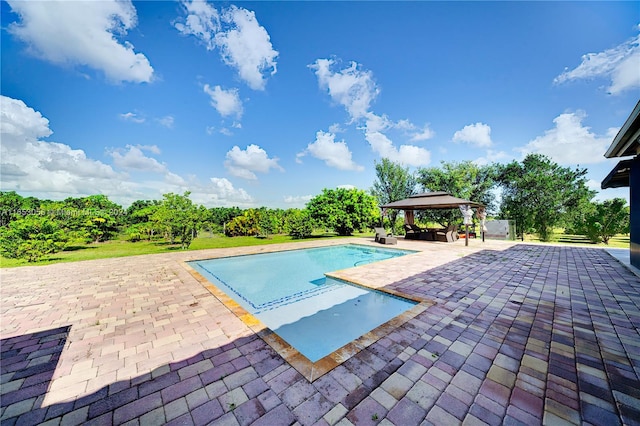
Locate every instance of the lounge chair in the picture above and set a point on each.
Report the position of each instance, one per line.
(414, 232)
(411, 232)
(447, 235)
(381, 233)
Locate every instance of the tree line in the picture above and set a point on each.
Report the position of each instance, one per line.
(537, 193)
(31, 228)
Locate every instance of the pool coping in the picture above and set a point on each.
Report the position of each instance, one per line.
(308, 369)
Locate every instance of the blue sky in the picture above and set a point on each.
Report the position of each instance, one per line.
(266, 103)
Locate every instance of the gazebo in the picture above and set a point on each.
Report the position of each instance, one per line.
(433, 200)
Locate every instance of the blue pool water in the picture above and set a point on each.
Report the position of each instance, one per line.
(289, 293)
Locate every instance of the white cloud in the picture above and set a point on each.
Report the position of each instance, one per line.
(221, 192)
(226, 102)
(377, 123)
(9, 171)
(478, 134)
(423, 135)
(299, 200)
(569, 142)
(492, 157)
(83, 33)
(166, 121)
(243, 43)
(409, 155)
(247, 47)
(334, 154)
(132, 117)
(355, 89)
(244, 163)
(202, 21)
(619, 64)
(416, 133)
(380, 143)
(336, 128)
(405, 125)
(150, 148)
(351, 87)
(174, 179)
(21, 124)
(134, 159)
(36, 166)
(57, 157)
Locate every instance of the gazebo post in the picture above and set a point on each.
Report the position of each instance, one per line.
(466, 236)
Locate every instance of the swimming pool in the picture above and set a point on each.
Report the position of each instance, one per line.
(289, 292)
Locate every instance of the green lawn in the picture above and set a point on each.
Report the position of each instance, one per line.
(619, 241)
(121, 248)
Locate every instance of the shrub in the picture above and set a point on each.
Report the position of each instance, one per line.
(31, 238)
(300, 224)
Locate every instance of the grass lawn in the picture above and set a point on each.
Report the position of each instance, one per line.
(122, 248)
(619, 241)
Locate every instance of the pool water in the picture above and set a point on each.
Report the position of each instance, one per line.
(289, 292)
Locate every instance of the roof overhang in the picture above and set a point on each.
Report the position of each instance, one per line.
(431, 200)
(619, 176)
(627, 141)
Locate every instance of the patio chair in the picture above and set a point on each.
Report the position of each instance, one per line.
(381, 233)
(412, 232)
(447, 235)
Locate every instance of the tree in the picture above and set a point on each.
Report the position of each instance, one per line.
(250, 222)
(242, 225)
(10, 207)
(140, 211)
(14, 206)
(299, 223)
(394, 183)
(539, 193)
(31, 238)
(91, 219)
(277, 220)
(258, 222)
(465, 180)
(603, 220)
(344, 210)
(222, 215)
(139, 216)
(178, 217)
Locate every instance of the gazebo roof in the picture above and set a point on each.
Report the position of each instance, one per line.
(431, 200)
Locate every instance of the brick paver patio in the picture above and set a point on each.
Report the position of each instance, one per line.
(514, 334)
